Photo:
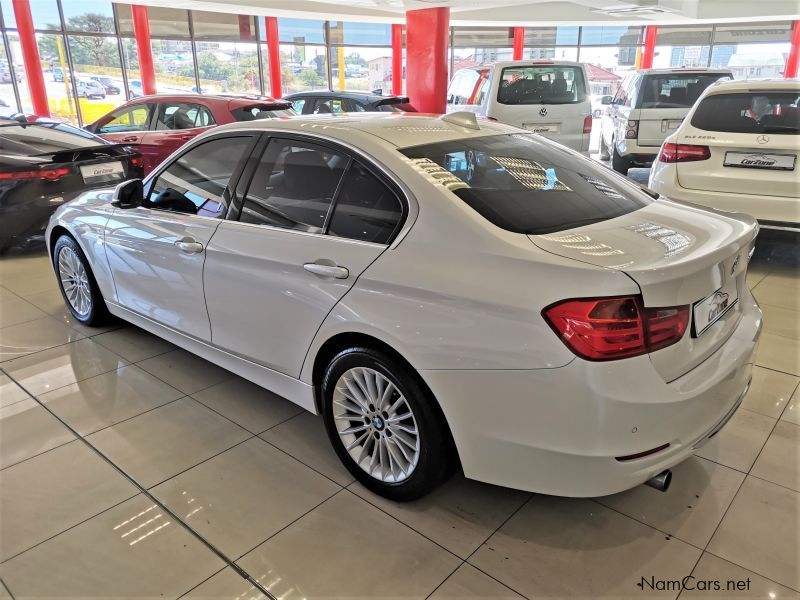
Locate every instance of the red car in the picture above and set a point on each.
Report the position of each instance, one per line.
(158, 125)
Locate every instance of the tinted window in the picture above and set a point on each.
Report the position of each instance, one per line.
(366, 209)
(523, 184)
(183, 115)
(293, 186)
(197, 182)
(298, 105)
(332, 105)
(542, 84)
(128, 119)
(672, 90)
(252, 113)
(753, 112)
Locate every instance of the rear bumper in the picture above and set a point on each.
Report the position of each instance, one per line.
(639, 156)
(559, 431)
(771, 211)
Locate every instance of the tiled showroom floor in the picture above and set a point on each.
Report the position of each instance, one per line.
(133, 469)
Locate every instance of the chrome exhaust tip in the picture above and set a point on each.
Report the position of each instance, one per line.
(661, 481)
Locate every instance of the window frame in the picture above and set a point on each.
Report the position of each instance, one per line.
(233, 183)
(246, 177)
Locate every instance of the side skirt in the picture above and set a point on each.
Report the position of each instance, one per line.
(292, 389)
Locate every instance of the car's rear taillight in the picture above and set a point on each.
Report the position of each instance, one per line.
(587, 124)
(631, 130)
(137, 160)
(48, 174)
(614, 328)
(674, 153)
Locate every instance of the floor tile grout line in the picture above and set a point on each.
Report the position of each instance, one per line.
(5, 587)
(136, 492)
(214, 574)
(165, 508)
(774, 370)
(443, 581)
(256, 433)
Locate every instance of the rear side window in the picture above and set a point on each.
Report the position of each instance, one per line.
(541, 84)
(525, 185)
(750, 112)
(253, 113)
(183, 115)
(672, 90)
(293, 186)
(366, 209)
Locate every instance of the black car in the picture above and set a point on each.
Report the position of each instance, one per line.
(107, 83)
(44, 164)
(311, 103)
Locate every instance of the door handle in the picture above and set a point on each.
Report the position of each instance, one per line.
(131, 138)
(189, 245)
(327, 270)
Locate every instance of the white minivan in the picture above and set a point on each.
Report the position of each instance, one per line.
(545, 96)
(650, 104)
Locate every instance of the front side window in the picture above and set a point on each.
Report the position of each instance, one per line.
(542, 84)
(129, 119)
(366, 209)
(198, 182)
(293, 186)
(523, 184)
(183, 115)
(298, 105)
(679, 90)
(750, 112)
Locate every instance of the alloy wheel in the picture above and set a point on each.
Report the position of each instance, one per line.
(74, 281)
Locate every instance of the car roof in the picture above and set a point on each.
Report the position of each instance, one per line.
(399, 129)
(232, 100)
(533, 62)
(354, 95)
(671, 70)
(747, 85)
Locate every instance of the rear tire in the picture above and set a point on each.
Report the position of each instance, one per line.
(77, 283)
(618, 163)
(604, 155)
(382, 424)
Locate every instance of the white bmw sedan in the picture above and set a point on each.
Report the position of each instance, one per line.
(738, 149)
(444, 291)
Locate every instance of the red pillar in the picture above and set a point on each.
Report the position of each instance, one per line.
(397, 59)
(427, 32)
(141, 29)
(274, 55)
(30, 56)
(650, 35)
(793, 60)
(519, 42)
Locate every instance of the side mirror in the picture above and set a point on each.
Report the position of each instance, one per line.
(606, 100)
(128, 194)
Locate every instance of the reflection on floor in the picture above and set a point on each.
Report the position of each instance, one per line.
(247, 483)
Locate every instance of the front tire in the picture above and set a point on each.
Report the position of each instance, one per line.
(383, 426)
(77, 283)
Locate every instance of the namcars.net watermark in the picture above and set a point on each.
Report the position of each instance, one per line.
(690, 582)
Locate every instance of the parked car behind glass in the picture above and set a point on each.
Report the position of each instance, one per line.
(158, 125)
(44, 164)
(108, 84)
(89, 88)
(327, 101)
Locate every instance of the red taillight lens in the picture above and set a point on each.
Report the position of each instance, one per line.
(587, 124)
(48, 174)
(614, 328)
(137, 160)
(673, 153)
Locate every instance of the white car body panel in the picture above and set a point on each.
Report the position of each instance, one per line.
(562, 123)
(457, 297)
(767, 194)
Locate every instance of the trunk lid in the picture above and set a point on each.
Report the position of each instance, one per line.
(678, 255)
(656, 124)
(771, 154)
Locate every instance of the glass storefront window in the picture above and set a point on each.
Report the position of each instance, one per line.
(464, 37)
(8, 102)
(558, 53)
(88, 15)
(752, 61)
(619, 35)
(57, 78)
(228, 67)
(303, 68)
(300, 31)
(473, 57)
(551, 36)
(681, 56)
(96, 59)
(368, 34)
(684, 35)
(753, 32)
(164, 22)
(365, 69)
(208, 25)
(172, 60)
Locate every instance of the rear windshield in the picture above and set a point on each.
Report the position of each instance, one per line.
(526, 185)
(750, 112)
(673, 90)
(541, 84)
(253, 113)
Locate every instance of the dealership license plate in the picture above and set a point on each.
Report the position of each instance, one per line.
(709, 310)
(760, 160)
(110, 171)
(541, 127)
